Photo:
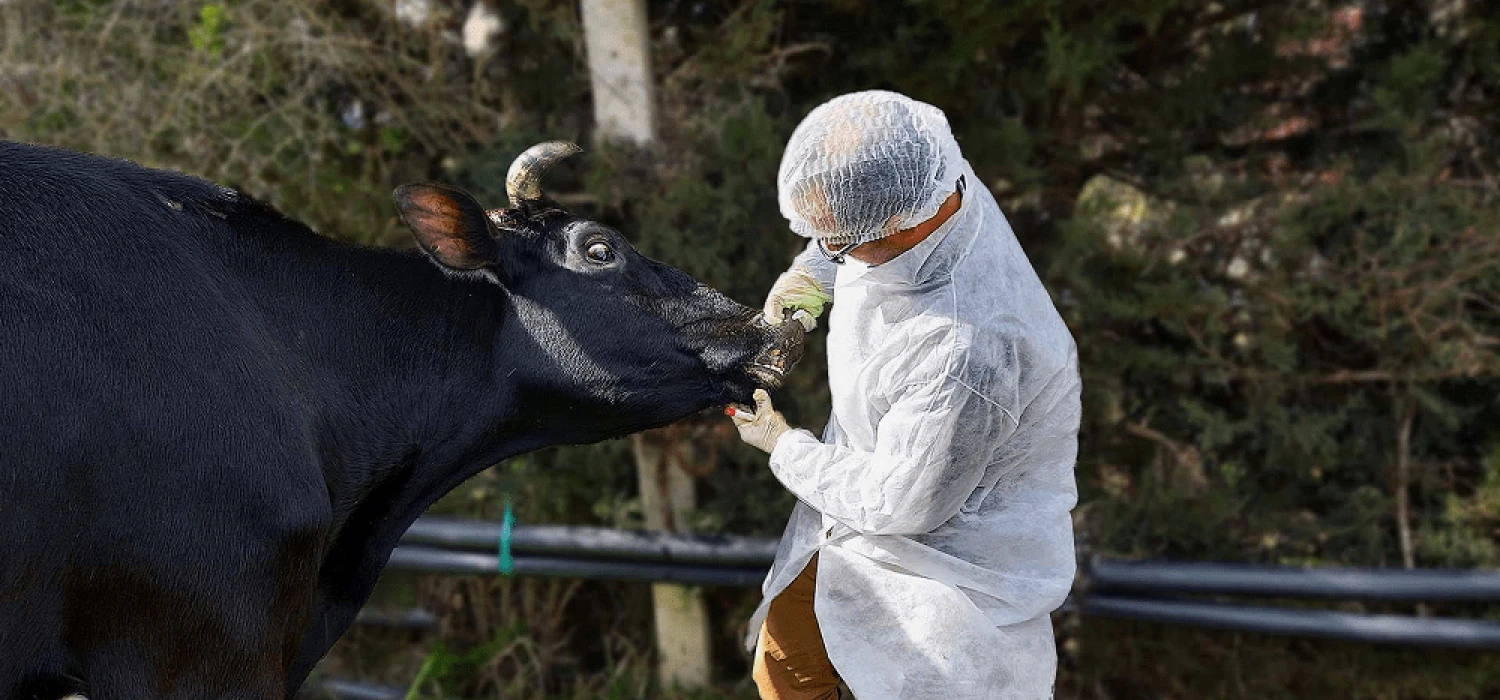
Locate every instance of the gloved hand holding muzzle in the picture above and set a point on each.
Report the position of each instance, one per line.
(797, 291)
(763, 427)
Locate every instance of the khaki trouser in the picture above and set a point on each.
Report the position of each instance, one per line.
(790, 661)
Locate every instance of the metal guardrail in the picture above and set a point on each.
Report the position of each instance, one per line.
(1113, 588)
(414, 619)
(344, 689)
(1324, 624)
(1193, 578)
(593, 542)
(432, 559)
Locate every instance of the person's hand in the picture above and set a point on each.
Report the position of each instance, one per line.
(761, 428)
(797, 291)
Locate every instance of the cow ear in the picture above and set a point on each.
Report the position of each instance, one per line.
(448, 224)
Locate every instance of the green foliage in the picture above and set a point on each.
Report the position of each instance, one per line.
(444, 665)
(207, 35)
(1466, 532)
(1110, 658)
(1408, 88)
(1285, 341)
(318, 107)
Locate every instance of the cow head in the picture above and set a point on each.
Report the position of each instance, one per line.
(616, 340)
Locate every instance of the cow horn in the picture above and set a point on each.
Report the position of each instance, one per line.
(524, 181)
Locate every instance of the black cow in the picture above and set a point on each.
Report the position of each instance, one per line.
(215, 424)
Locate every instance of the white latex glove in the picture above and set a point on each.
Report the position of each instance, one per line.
(763, 427)
(798, 290)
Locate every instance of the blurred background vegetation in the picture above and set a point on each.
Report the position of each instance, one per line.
(1271, 226)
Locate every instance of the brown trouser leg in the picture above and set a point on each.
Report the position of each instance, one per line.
(790, 662)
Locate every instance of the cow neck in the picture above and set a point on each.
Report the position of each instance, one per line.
(399, 362)
(401, 371)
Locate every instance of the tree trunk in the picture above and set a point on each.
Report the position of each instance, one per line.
(667, 496)
(618, 41)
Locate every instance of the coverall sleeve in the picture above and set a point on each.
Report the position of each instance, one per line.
(818, 266)
(931, 451)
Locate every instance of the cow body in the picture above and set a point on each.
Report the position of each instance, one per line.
(215, 425)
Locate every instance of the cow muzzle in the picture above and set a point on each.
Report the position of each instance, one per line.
(770, 367)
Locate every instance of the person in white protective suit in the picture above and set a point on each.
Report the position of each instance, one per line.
(933, 535)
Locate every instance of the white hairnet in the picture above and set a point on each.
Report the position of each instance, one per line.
(866, 165)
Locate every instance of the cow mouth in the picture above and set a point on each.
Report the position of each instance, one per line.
(770, 367)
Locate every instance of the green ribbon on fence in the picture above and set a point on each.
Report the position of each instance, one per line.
(507, 564)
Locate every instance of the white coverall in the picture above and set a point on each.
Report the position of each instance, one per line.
(939, 499)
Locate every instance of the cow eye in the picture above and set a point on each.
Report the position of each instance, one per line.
(600, 252)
